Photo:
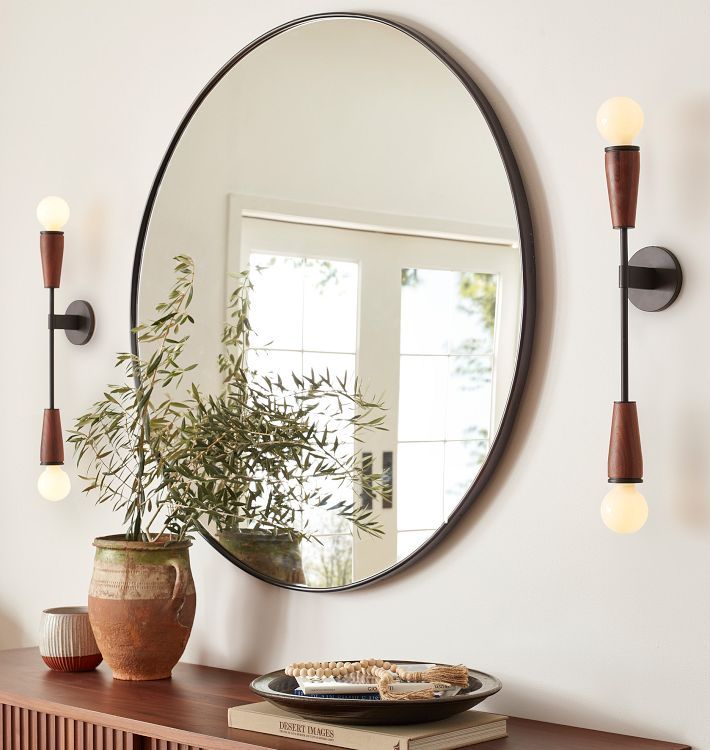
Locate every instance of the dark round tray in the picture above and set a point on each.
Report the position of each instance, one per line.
(277, 688)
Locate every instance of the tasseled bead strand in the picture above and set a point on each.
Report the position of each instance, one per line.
(353, 671)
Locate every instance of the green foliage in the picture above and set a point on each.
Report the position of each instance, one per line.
(479, 293)
(258, 455)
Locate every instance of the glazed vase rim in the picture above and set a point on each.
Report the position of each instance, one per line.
(119, 541)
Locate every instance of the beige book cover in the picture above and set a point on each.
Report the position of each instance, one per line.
(467, 728)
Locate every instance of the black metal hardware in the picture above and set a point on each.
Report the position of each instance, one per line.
(623, 285)
(78, 322)
(51, 350)
(64, 322)
(639, 278)
(630, 147)
(651, 280)
(365, 494)
(663, 267)
(387, 479)
(664, 276)
(85, 313)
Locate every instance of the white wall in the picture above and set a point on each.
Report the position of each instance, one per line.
(344, 114)
(582, 626)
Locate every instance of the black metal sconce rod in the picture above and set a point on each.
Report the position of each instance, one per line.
(51, 350)
(624, 301)
(78, 322)
(651, 280)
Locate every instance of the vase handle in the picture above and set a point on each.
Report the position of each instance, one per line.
(180, 586)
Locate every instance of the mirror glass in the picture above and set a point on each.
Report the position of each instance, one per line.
(352, 180)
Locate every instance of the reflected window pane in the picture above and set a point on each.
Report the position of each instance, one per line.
(274, 362)
(462, 461)
(426, 310)
(328, 561)
(447, 312)
(338, 365)
(408, 541)
(469, 397)
(473, 315)
(330, 305)
(278, 287)
(324, 521)
(420, 485)
(446, 393)
(422, 398)
(336, 414)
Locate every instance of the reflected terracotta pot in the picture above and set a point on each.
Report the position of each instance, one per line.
(277, 556)
(66, 642)
(141, 605)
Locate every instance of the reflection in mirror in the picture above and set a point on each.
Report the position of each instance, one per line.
(367, 204)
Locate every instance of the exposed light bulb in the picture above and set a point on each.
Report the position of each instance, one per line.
(52, 213)
(53, 483)
(624, 509)
(619, 120)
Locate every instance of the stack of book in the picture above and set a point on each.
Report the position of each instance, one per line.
(467, 728)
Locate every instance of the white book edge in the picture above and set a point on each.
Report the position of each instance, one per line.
(342, 688)
(313, 687)
(267, 719)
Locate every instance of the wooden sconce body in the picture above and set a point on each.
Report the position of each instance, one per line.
(51, 248)
(623, 166)
(52, 449)
(625, 458)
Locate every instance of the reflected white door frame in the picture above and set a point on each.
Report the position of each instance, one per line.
(383, 245)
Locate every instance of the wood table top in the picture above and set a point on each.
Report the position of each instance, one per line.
(191, 708)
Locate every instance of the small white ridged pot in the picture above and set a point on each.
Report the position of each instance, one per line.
(66, 641)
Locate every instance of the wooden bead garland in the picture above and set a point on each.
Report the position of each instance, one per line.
(384, 674)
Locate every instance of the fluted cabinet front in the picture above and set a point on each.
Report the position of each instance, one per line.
(153, 744)
(24, 729)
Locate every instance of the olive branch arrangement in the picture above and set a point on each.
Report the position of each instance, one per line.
(254, 456)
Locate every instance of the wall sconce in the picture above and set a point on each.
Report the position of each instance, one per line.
(651, 280)
(77, 323)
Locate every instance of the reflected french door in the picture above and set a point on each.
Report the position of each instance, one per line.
(429, 324)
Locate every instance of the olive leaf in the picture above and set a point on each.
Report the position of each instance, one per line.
(258, 455)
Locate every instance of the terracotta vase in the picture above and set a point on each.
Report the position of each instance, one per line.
(277, 556)
(141, 605)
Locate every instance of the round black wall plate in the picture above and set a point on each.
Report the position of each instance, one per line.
(669, 274)
(82, 335)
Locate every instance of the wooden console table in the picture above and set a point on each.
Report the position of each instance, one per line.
(43, 710)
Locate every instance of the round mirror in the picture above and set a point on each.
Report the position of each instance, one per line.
(363, 290)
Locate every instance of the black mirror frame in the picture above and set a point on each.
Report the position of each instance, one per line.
(525, 227)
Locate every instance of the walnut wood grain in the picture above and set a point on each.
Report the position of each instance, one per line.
(51, 449)
(623, 167)
(625, 457)
(51, 248)
(190, 711)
